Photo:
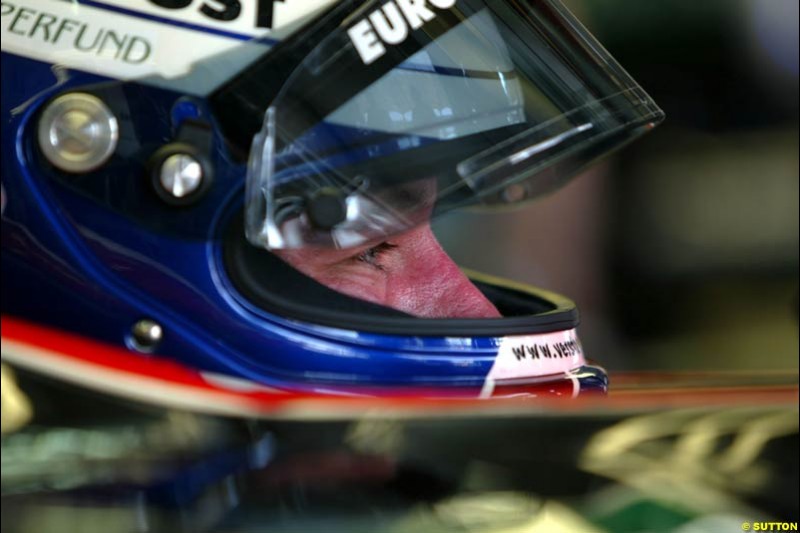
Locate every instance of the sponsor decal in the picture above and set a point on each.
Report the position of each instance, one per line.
(535, 356)
(243, 16)
(390, 25)
(161, 42)
(222, 10)
(90, 37)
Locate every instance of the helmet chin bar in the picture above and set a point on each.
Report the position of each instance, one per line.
(553, 365)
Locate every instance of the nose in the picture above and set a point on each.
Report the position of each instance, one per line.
(431, 285)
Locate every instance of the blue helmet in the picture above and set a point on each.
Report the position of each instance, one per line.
(158, 159)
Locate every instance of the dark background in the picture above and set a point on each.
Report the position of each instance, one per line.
(681, 250)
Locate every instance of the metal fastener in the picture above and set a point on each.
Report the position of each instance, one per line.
(146, 334)
(180, 175)
(77, 132)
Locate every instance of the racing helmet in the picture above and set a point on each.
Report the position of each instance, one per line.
(158, 156)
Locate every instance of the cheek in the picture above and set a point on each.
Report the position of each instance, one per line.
(427, 283)
(358, 282)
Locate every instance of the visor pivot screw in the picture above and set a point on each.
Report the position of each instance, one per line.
(145, 335)
(514, 193)
(77, 132)
(326, 208)
(180, 175)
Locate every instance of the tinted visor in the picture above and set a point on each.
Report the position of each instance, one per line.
(397, 111)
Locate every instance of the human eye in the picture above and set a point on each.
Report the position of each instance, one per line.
(376, 256)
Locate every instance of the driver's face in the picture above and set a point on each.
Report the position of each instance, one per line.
(409, 272)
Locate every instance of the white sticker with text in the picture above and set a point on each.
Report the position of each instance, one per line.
(192, 48)
(522, 356)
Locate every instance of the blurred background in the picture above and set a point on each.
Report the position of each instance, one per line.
(681, 250)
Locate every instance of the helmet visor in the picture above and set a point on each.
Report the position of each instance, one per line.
(401, 110)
